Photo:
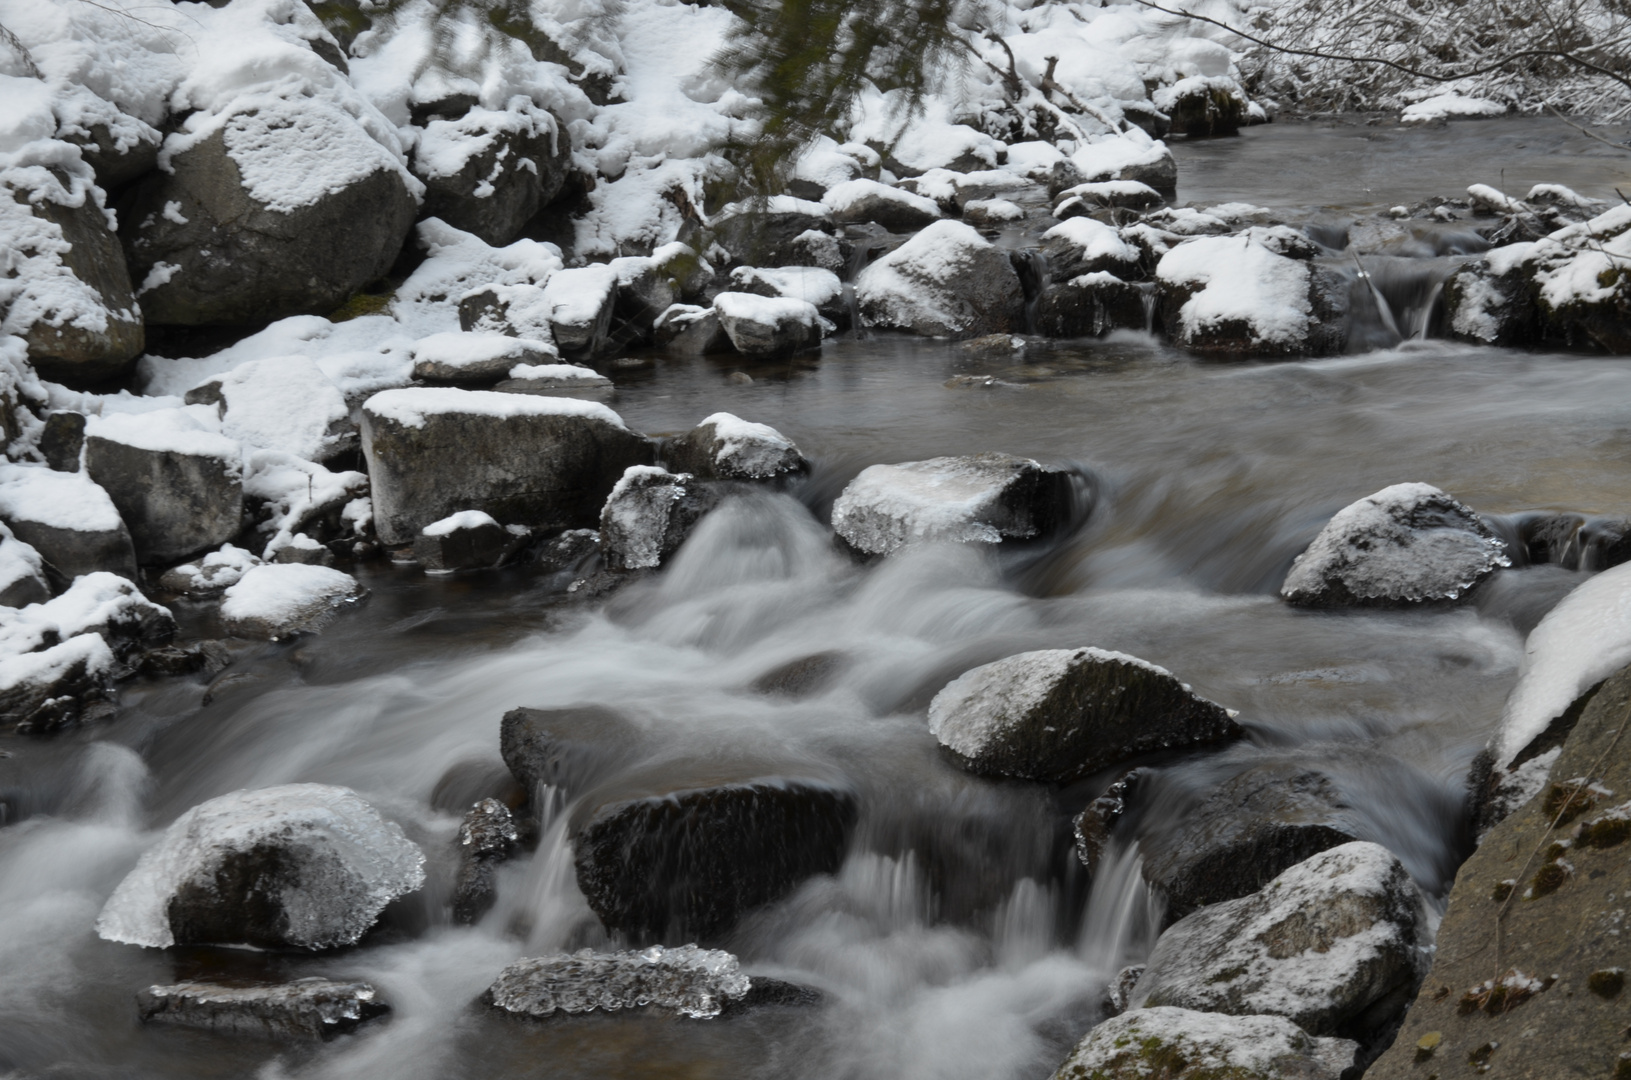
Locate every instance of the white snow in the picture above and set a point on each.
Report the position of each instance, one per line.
(464, 519)
(1106, 157)
(92, 603)
(1451, 107)
(87, 651)
(1093, 239)
(811, 284)
(284, 403)
(992, 210)
(843, 199)
(293, 490)
(280, 598)
(413, 406)
(455, 350)
(578, 297)
(214, 572)
(1106, 193)
(60, 500)
(1239, 279)
(634, 520)
(446, 146)
(566, 374)
(956, 500)
(18, 560)
(458, 263)
(766, 310)
(827, 164)
(184, 431)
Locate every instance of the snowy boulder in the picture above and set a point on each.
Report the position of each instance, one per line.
(581, 302)
(65, 289)
(1235, 296)
(475, 358)
(860, 200)
(824, 164)
(99, 603)
(1406, 544)
(811, 284)
(22, 572)
(487, 839)
(209, 577)
(67, 518)
(980, 498)
(1061, 714)
(1082, 245)
(558, 380)
(468, 540)
(285, 209)
(1131, 155)
(517, 310)
(1204, 105)
(311, 1008)
(768, 326)
(281, 600)
(1083, 199)
(646, 288)
(687, 981)
(547, 462)
(489, 171)
(726, 447)
(649, 514)
(303, 866)
(690, 330)
(765, 232)
(1330, 945)
(1177, 1044)
(1092, 305)
(991, 213)
(285, 404)
(178, 485)
(46, 691)
(947, 281)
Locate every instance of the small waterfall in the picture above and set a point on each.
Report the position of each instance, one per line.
(1123, 914)
(547, 909)
(1032, 265)
(1395, 299)
(1147, 296)
(852, 308)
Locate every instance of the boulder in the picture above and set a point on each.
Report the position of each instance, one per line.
(62, 440)
(468, 540)
(311, 1008)
(766, 232)
(568, 551)
(687, 981)
(302, 866)
(1548, 884)
(572, 748)
(649, 514)
(487, 838)
(558, 380)
(475, 357)
(646, 288)
(1236, 296)
(178, 486)
(547, 462)
(818, 249)
(22, 573)
(287, 209)
(67, 518)
(1081, 200)
(768, 326)
(1407, 544)
(726, 447)
(1092, 305)
(1204, 105)
(1061, 714)
(808, 283)
(517, 309)
(980, 498)
(947, 281)
(52, 689)
(992, 213)
(1330, 944)
(1082, 245)
(210, 576)
(581, 302)
(674, 853)
(1177, 1044)
(284, 404)
(861, 200)
(274, 601)
(489, 171)
(690, 331)
(100, 603)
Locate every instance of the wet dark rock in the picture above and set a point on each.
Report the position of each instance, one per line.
(1096, 825)
(487, 838)
(691, 331)
(688, 981)
(572, 748)
(469, 540)
(947, 281)
(1085, 246)
(62, 440)
(115, 165)
(645, 289)
(769, 235)
(1204, 106)
(1120, 991)
(726, 447)
(522, 163)
(804, 677)
(649, 514)
(568, 551)
(313, 1008)
(471, 780)
(581, 302)
(1061, 714)
(1091, 306)
(176, 498)
(208, 658)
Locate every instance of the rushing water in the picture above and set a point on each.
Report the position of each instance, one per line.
(959, 939)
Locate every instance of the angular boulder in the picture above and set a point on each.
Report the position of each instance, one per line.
(68, 519)
(1204, 105)
(861, 200)
(1177, 1044)
(1060, 714)
(547, 462)
(1236, 296)
(581, 302)
(475, 357)
(646, 287)
(764, 326)
(489, 171)
(690, 330)
(947, 281)
(726, 447)
(275, 601)
(468, 540)
(312, 1008)
(687, 981)
(1407, 544)
(649, 514)
(809, 283)
(981, 498)
(765, 232)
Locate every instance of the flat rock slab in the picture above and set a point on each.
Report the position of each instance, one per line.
(1177, 1044)
(688, 981)
(304, 1009)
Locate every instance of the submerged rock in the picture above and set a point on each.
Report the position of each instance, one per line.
(313, 1008)
(726, 447)
(1061, 714)
(688, 981)
(1177, 1044)
(305, 866)
(1406, 544)
(947, 281)
(649, 514)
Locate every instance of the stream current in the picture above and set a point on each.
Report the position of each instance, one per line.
(1207, 480)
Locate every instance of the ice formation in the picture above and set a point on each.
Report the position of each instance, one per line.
(694, 982)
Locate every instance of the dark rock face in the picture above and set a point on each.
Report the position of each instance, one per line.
(1096, 824)
(1560, 970)
(1204, 107)
(691, 331)
(521, 167)
(648, 516)
(304, 1009)
(72, 552)
(683, 858)
(1061, 714)
(176, 503)
(804, 677)
(62, 440)
(770, 236)
(1092, 306)
(725, 447)
(487, 838)
(238, 260)
(571, 748)
(472, 544)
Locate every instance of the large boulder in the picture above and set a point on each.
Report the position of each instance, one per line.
(489, 171)
(67, 518)
(1407, 544)
(303, 866)
(768, 326)
(861, 200)
(687, 981)
(1239, 296)
(1062, 714)
(981, 498)
(548, 462)
(808, 283)
(178, 486)
(310, 1008)
(649, 514)
(726, 447)
(1330, 944)
(1082, 245)
(1177, 1044)
(287, 208)
(947, 281)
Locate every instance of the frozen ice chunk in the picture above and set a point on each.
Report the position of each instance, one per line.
(693, 982)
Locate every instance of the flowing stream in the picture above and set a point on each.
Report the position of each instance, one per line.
(960, 939)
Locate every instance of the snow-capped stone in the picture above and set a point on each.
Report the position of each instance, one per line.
(1177, 1044)
(306, 866)
(525, 459)
(649, 514)
(468, 540)
(1234, 295)
(646, 287)
(99, 603)
(1061, 714)
(46, 691)
(1406, 544)
(1451, 106)
(726, 447)
(815, 286)
(1084, 199)
(1330, 944)
(557, 380)
(1082, 245)
(991, 212)
(691, 330)
(475, 357)
(286, 404)
(210, 576)
(517, 310)
(489, 171)
(764, 232)
(862, 200)
(311, 1008)
(1092, 305)
(280, 600)
(1204, 105)
(177, 485)
(458, 266)
(766, 325)
(22, 572)
(689, 981)
(580, 307)
(947, 281)
(67, 518)
(824, 164)
(979, 498)
(1129, 155)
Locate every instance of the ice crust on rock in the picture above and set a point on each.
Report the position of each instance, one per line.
(1147, 1043)
(340, 864)
(274, 600)
(649, 514)
(1406, 544)
(726, 447)
(310, 1008)
(980, 499)
(691, 981)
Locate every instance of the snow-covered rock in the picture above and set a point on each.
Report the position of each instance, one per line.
(768, 325)
(815, 286)
(306, 866)
(766, 232)
(475, 357)
(1204, 105)
(99, 603)
(525, 459)
(1084, 199)
(581, 302)
(557, 380)
(992, 212)
(458, 265)
(45, 691)
(1129, 155)
(1177, 1044)
(947, 281)
(285, 404)
(691, 330)
(1235, 295)
(824, 164)
(517, 310)
(178, 485)
(468, 540)
(863, 200)
(649, 514)
(646, 287)
(310, 1008)
(489, 171)
(67, 518)
(1061, 714)
(281, 600)
(1451, 106)
(1406, 544)
(22, 572)
(980, 498)
(689, 981)
(1330, 944)
(726, 447)
(1092, 305)
(210, 576)
(1082, 245)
